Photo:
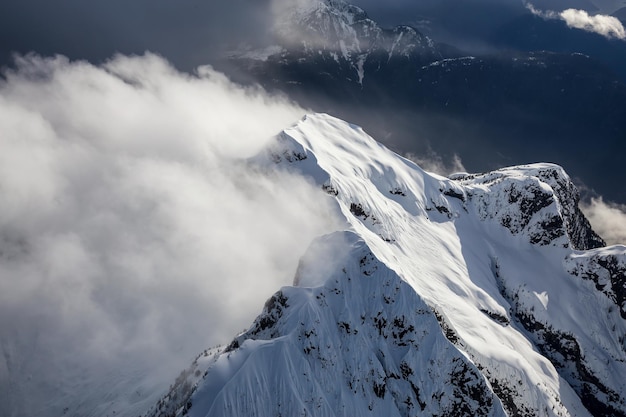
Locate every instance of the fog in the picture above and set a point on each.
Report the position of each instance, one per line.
(133, 235)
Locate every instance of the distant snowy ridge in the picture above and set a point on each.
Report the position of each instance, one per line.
(339, 32)
(503, 265)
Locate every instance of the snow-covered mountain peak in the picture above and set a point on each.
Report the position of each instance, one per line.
(538, 200)
(338, 35)
(338, 8)
(443, 296)
(331, 25)
(461, 232)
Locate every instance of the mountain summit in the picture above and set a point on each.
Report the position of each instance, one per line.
(335, 25)
(480, 294)
(339, 36)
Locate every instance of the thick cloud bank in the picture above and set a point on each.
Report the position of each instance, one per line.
(132, 234)
(607, 26)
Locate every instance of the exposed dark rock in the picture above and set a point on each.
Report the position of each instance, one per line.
(499, 318)
(358, 211)
(581, 235)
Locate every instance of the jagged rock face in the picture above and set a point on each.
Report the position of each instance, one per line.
(337, 26)
(329, 25)
(580, 233)
(539, 200)
(598, 389)
(473, 283)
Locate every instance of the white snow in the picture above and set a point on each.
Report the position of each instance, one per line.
(463, 246)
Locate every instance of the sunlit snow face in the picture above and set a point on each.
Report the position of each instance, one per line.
(132, 232)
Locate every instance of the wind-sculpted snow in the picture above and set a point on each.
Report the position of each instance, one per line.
(491, 262)
(361, 343)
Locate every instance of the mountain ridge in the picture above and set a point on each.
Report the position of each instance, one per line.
(470, 254)
(340, 33)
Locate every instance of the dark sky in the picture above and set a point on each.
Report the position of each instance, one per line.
(192, 32)
(187, 32)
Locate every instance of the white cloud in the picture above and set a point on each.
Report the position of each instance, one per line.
(546, 14)
(431, 161)
(607, 219)
(607, 26)
(132, 236)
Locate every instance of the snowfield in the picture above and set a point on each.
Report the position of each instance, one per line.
(479, 294)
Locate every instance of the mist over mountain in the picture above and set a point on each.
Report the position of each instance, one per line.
(132, 233)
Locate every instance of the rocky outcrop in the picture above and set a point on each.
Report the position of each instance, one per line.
(538, 200)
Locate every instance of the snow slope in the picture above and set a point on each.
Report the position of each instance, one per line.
(483, 294)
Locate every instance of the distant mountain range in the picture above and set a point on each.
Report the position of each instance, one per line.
(540, 98)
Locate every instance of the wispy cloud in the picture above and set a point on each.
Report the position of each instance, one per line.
(431, 161)
(607, 26)
(132, 235)
(607, 219)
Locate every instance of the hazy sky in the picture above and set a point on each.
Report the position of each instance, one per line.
(187, 32)
(193, 32)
